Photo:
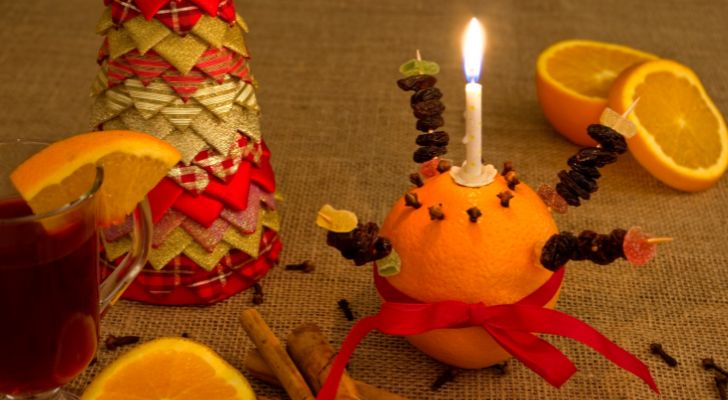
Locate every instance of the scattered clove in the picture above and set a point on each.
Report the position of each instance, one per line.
(436, 213)
(505, 198)
(444, 166)
(257, 294)
(305, 267)
(416, 179)
(721, 382)
(114, 342)
(474, 213)
(512, 180)
(411, 200)
(656, 348)
(448, 375)
(500, 368)
(93, 361)
(346, 309)
(709, 363)
(185, 335)
(507, 167)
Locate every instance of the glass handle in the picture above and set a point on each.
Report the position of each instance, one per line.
(141, 240)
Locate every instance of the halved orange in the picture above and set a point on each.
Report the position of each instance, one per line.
(133, 164)
(681, 136)
(573, 78)
(169, 369)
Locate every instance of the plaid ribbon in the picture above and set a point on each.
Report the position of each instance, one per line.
(196, 177)
(178, 15)
(214, 63)
(181, 281)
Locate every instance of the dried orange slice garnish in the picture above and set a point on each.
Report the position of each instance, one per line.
(169, 369)
(133, 164)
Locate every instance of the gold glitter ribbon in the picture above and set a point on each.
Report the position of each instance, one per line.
(181, 52)
(120, 42)
(146, 34)
(212, 30)
(105, 22)
(187, 143)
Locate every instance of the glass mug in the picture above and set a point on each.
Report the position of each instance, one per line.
(50, 296)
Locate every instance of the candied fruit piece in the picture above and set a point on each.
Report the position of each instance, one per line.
(637, 248)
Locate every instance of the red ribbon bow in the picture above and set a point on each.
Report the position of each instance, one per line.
(511, 325)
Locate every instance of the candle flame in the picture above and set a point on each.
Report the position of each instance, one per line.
(473, 49)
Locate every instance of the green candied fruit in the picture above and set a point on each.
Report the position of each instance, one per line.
(389, 265)
(419, 67)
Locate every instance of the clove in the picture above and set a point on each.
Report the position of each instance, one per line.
(721, 382)
(114, 342)
(346, 309)
(507, 167)
(448, 375)
(436, 213)
(411, 200)
(512, 180)
(505, 198)
(185, 335)
(416, 179)
(444, 166)
(305, 267)
(257, 294)
(709, 363)
(474, 213)
(656, 348)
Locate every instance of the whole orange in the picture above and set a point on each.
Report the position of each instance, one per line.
(573, 78)
(493, 260)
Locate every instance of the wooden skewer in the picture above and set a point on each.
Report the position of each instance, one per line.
(275, 355)
(324, 217)
(631, 108)
(657, 240)
(419, 56)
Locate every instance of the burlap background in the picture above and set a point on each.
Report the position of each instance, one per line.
(341, 132)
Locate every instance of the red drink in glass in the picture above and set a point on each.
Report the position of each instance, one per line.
(49, 298)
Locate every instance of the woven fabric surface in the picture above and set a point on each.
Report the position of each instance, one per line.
(341, 132)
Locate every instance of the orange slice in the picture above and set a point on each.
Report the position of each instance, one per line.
(169, 369)
(133, 163)
(681, 136)
(573, 78)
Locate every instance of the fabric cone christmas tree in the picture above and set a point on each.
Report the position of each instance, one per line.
(179, 70)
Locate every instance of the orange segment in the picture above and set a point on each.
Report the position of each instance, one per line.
(573, 78)
(169, 369)
(681, 136)
(133, 164)
(455, 259)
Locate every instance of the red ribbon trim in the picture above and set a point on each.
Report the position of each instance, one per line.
(511, 325)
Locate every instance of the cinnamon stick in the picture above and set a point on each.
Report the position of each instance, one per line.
(313, 355)
(259, 369)
(274, 355)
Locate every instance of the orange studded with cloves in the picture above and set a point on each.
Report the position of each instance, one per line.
(493, 260)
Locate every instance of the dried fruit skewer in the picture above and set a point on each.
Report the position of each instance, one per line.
(426, 106)
(633, 244)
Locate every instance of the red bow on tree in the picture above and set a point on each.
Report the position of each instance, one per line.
(511, 325)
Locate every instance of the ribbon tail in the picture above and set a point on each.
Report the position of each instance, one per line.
(534, 319)
(360, 329)
(537, 354)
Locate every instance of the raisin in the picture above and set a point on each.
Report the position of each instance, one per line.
(439, 139)
(430, 123)
(588, 184)
(594, 157)
(427, 153)
(428, 108)
(558, 250)
(417, 82)
(432, 93)
(571, 198)
(610, 139)
(573, 186)
(590, 172)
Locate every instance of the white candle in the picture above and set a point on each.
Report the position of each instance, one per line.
(473, 173)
